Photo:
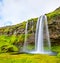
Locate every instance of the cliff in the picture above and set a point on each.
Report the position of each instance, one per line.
(17, 32)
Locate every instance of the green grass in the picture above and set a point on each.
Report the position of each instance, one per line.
(56, 49)
(6, 45)
(28, 58)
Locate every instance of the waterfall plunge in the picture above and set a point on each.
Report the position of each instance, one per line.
(41, 23)
(39, 37)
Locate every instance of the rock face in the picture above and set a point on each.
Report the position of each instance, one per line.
(54, 26)
(53, 22)
(13, 30)
(54, 29)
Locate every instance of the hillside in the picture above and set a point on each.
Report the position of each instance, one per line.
(12, 37)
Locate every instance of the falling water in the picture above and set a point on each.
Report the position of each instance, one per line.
(39, 37)
(26, 32)
(41, 23)
(26, 35)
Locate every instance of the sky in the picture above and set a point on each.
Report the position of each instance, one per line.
(16, 11)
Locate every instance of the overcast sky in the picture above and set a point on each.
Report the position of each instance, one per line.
(16, 11)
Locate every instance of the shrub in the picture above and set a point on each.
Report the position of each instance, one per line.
(21, 38)
(58, 55)
(9, 48)
(13, 39)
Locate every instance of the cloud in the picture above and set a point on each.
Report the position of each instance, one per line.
(7, 23)
(17, 11)
(1, 0)
(0, 17)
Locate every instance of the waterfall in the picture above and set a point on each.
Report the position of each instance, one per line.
(41, 23)
(42, 38)
(26, 32)
(39, 34)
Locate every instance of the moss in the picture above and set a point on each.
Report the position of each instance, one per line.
(28, 58)
(6, 42)
(21, 38)
(54, 15)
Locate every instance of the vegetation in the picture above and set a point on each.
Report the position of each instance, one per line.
(54, 15)
(12, 39)
(8, 43)
(28, 58)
